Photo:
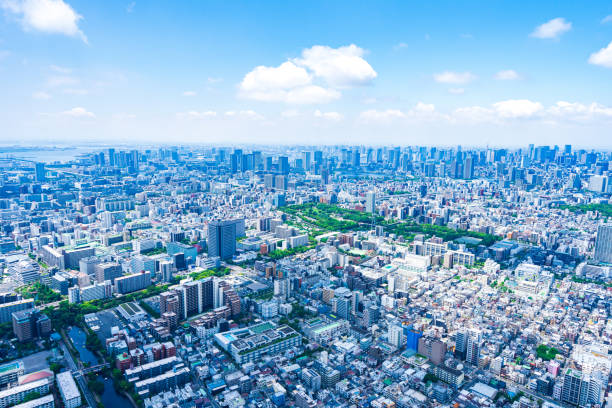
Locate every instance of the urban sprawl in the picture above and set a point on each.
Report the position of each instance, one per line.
(330, 276)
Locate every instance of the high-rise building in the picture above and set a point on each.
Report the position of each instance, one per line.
(39, 172)
(473, 347)
(30, 324)
(603, 244)
(370, 201)
(222, 239)
(468, 168)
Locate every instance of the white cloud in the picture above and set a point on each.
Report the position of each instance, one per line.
(448, 77)
(607, 19)
(602, 57)
(314, 78)
(552, 29)
(507, 75)
(212, 80)
(47, 16)
(196, 115)
(517, 108)
(400, 46)
(250, 114)
(579, 111)
(41, 95)
(264, 79)
(130, 7)
(79, 112)
(339, 67)
(63, 80)
(457, 91)
(373, 115)
(189, 93)
(332, 116)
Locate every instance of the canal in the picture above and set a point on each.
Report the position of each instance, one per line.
(110, 397)
(78, 338)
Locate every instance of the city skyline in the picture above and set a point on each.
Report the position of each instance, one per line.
(508, 74)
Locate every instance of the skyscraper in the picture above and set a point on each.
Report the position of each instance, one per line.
(40, 172)
(370, 202)
(603, 244)
(468, 168)
(222, 239)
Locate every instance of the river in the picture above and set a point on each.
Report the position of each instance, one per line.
(78, 338)
(109, 397)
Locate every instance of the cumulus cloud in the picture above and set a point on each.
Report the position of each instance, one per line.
(339, 67)
(316, 77)
(420, 112)
(552, 29)
(286, 76)
(449, 77)
(579, 111)
(332, 116)
(79, 112)
(517, 108)
(507, 75)
(602, 57)
(502, 112)
(47, 16)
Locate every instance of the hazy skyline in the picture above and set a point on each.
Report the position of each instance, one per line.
(475, 73)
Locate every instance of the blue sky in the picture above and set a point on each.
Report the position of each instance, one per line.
(405, 72)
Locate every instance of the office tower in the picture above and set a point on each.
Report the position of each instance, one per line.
(318, 161)
(307, 161)
(222, 239)
(107, 271)
(473, 347)
(342, 306)
(30, 324)
(603, 244)
(283, 165)
(598, 184)
(40, 172)
(468, 167)
(356, 158)
(165, 270)
(111, 157)
(461, 339)
(370, 201)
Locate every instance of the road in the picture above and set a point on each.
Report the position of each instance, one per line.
(73, 366)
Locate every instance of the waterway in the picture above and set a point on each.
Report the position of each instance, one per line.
(110, 398)
(78, 338)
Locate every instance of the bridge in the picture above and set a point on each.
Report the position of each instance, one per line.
(94, 369)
